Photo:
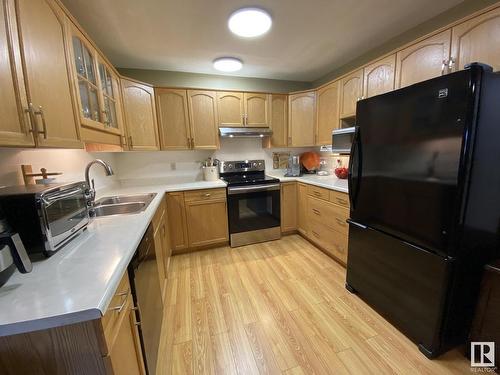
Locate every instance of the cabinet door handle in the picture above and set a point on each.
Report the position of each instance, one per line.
(316, 234)
(443, 66)
(131, 143)
(341, 201)
(317, 212)
(30, 128)
(340, 222)
(119, 308)
(451, 64)
(35, 112)
(192, 142)
(124, 293)
(207, 195)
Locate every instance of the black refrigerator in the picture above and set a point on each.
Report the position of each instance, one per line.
(424, 188)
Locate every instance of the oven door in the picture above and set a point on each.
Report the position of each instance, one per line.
(253, 208)
(64, 213)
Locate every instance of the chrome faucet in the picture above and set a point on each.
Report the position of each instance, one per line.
(90, 183)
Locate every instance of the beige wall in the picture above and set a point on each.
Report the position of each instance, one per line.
(210, 81)
(460, 11)
(71, 163)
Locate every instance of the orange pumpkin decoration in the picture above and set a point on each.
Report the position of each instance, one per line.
(310, 160)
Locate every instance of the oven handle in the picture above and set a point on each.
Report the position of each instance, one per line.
(62, 194)
(252, 189)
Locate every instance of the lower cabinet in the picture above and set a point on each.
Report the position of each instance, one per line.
(162, 244)
(318, 214)
(122, 343)
(288, 207)
(302, 208)
(197, 218)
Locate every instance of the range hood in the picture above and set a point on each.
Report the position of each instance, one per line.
(245, 132)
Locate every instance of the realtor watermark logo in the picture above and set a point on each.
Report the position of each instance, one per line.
(482, 356)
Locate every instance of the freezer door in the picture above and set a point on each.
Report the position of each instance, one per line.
(406, 160)
(405, 284)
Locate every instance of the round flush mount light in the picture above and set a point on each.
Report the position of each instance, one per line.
(228, 64)
(249, 22)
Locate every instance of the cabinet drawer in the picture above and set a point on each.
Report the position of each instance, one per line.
(318, 192)
(329, 214)
(331, 241)
(158, 216)
(118, 307)
(204, 195)
(342, 199)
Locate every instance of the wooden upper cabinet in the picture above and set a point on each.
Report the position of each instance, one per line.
(47, 67)
(477, 40)
(256, 109)
(84, 58)
(379, 76)
(231, 108)
(301, 119)
(203, 119)
(110, 96)
(140, 115)
(173, 119)
(15, 126)
(424, 60)
(327, 112)
(279, 120)
(351, 90)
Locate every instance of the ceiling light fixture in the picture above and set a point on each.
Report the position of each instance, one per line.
(249, 22)
(228, 64)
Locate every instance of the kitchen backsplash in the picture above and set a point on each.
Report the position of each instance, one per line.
(70, 162)
(184, 166)
(153, 166)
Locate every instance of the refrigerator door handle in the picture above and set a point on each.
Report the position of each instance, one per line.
(357, 224)
(355, 151)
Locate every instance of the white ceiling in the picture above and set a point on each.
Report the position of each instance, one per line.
(308, 39)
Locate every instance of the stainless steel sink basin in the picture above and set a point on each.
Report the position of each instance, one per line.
(146, 198)
(122, 204)
(120, 208)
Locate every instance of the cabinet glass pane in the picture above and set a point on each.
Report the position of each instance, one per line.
(78, 52)
(106, 80)
(94, 103)
(84, 98)
(111, 112)
(89, 101)
(89, 65)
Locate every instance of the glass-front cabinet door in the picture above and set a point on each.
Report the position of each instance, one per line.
(88, 91)
(97, 87)
(110, 91)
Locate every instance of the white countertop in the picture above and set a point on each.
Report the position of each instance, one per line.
(328, 182)
(76, 284)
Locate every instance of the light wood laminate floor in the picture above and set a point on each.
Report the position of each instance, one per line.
(279, 308)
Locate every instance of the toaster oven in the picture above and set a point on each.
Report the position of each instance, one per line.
(46, 216)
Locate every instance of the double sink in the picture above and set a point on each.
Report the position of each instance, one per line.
(122, 204)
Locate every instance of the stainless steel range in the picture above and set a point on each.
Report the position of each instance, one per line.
(253, 201)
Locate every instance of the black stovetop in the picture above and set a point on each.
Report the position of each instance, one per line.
(244, 179)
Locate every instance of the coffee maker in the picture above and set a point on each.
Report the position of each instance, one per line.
(12, 252)
(293, 169)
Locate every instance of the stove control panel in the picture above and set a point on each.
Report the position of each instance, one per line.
(242, 166)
